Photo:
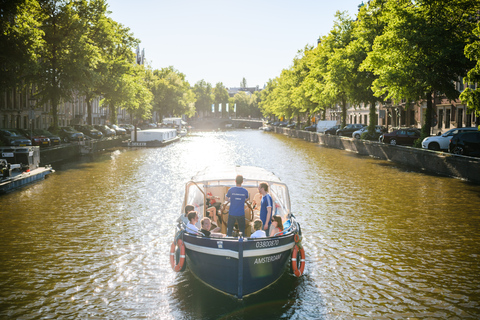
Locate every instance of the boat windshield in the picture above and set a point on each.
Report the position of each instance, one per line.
(195, 196)
(279, 193)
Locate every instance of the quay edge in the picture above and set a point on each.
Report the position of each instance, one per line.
(433, 162)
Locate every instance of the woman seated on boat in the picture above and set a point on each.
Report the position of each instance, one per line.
(277, 226)
(213, 206)
(208, 231)
(192, 220)
(259, 233)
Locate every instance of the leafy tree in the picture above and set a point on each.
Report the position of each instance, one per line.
(204, 96)
(220, 95)
(340, 68)
(172, 94)
(421, 50)
(20, 41)
(472, 96)
(139, 96)
(267, 98)
(370, 24)
(66, 54)
(101, 32)
(117, 70)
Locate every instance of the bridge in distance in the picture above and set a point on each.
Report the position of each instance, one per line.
(223, 123)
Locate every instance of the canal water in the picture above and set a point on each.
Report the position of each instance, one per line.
(382, 241)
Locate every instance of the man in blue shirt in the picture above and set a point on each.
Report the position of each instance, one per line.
(237, 197)
(266, 206)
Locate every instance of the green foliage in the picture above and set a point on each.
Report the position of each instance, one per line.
(204, 95)
(172, 95)
(472, 51)
(20, 41)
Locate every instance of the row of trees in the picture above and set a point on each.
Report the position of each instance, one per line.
(59, 49)
(394, 49)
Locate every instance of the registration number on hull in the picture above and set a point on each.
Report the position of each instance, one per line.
(267, 244)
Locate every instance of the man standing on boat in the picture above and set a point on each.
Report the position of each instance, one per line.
(266, 206)
(237, 197)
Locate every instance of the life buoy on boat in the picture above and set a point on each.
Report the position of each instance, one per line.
(298, 271)
(181, 261)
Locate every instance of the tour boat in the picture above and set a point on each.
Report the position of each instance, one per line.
(237, 265)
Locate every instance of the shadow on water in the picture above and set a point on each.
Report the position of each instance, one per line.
(285, 299)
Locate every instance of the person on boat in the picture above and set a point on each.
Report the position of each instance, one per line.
(186, 210)
(259, 233)
(192, 220)
(277, 226)
(237, 197)
(206, 229)
(213, 206)
(256, 203)
(266, 206)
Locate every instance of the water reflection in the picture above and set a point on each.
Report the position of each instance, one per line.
(382, 241)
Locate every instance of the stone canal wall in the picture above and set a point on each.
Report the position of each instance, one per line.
(71, 150)
(434, 162)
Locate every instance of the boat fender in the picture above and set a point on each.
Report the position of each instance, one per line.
(179, 265)
(298, 271)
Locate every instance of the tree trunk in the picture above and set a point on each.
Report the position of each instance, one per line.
(89, 110)
(373, 115)
(344, 111)
(426, 128)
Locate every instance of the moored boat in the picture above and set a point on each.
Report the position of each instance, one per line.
(20, 166)
(152, 138)
(237, 265)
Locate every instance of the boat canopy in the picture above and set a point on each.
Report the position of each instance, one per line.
(218, 180)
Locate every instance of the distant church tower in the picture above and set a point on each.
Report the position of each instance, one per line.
(140, 58)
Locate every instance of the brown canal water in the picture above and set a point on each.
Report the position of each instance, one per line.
(382, 241)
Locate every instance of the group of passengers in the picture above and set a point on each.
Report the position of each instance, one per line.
(237, 196)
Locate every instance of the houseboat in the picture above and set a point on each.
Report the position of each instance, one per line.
(152, 138)
(237, 265)
(20, 166)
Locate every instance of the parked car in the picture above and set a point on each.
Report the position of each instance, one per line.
(54, 138)
(69, 134)
(441, 142)
(118, 130)
(378, 131)
(291, 125)
(332, 130)
(105, 130)
(312, 128)
(401, 137)
(13, 137)
(89, 131)
(37, 139)
(349, 129)
(283, 124)
(466, 143)
(128, 127)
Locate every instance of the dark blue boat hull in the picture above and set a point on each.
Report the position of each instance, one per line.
(238, 267)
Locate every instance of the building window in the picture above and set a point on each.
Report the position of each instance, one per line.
(447, 119)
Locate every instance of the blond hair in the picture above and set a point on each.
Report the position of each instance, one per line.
(257, 224)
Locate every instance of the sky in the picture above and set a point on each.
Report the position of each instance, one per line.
(226, 41)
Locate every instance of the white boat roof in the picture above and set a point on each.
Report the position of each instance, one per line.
(229, 174)
(158, 130)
